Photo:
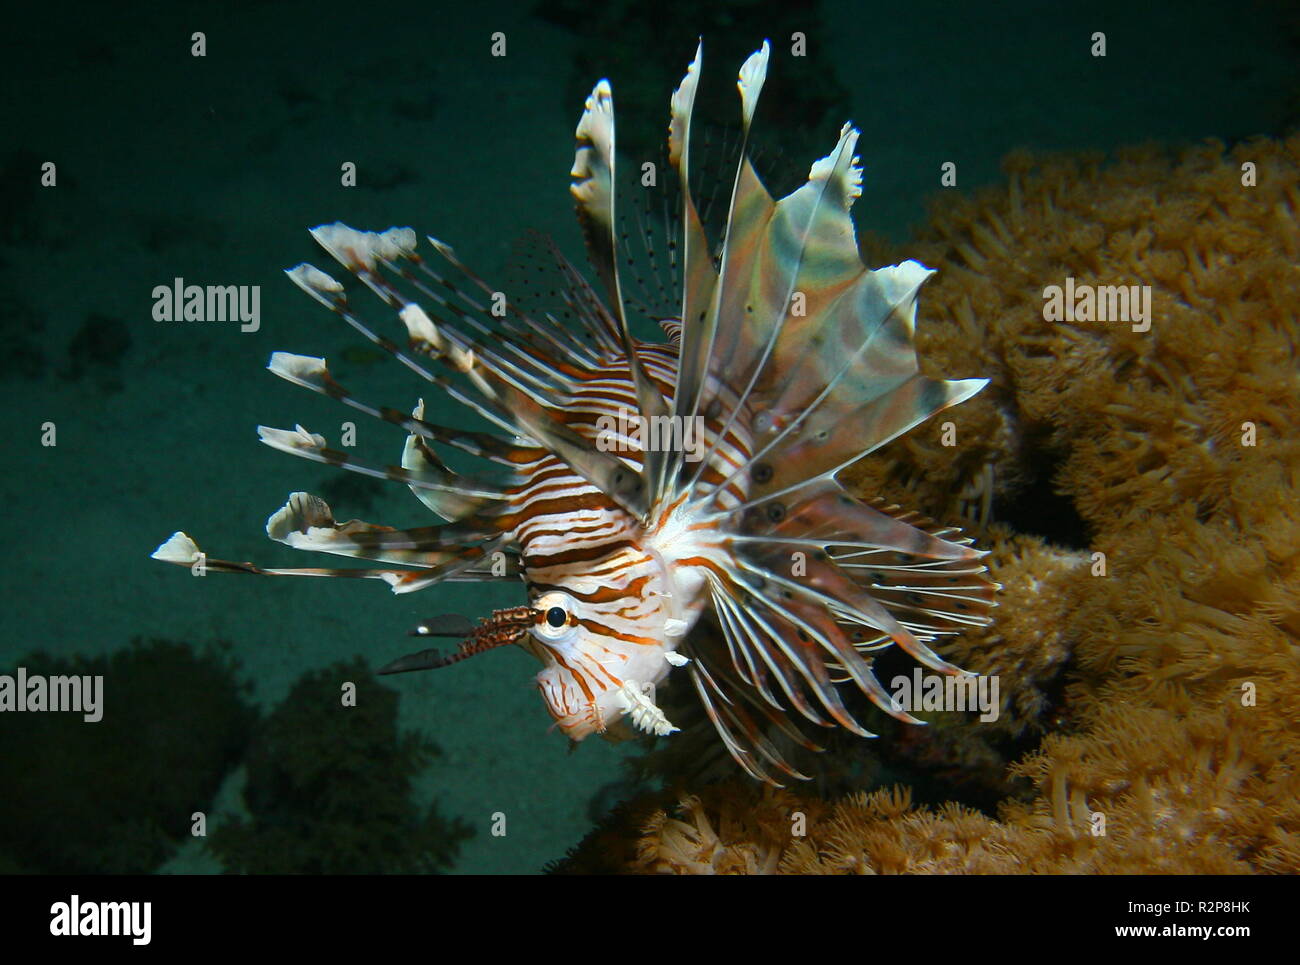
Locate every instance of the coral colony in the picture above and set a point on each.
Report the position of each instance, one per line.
(1150, 665)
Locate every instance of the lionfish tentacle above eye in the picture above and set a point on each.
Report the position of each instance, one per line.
(635, 487)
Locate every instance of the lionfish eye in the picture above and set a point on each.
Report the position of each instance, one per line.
(555, 609)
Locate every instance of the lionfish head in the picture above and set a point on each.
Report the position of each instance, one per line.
(588, 684)
(671, 506)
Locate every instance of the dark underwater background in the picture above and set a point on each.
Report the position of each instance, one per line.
(220, 691)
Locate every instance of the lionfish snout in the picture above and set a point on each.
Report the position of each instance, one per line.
(501, 629)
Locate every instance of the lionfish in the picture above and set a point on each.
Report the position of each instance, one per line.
(740, 560)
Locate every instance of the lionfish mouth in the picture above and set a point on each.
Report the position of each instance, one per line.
(785, 360)
(501, 629)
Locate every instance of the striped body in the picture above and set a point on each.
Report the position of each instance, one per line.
(636, 487)
(632, 580)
